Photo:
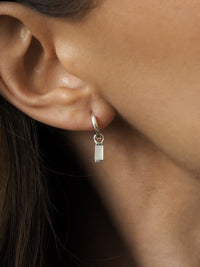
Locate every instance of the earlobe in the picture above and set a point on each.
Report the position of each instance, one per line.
(33, 79)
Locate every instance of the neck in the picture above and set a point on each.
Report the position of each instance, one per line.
(154, 202)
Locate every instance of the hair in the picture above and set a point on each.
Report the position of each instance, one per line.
(24, 201)
(60, 8)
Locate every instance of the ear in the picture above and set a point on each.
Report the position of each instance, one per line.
(34, 80)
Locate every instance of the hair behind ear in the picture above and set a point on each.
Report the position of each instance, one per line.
(23, 196)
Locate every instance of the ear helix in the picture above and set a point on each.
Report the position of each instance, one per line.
(98, 140)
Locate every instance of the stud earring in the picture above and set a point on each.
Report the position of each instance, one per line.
(98, 140)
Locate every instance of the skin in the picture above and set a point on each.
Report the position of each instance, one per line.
(137, 63)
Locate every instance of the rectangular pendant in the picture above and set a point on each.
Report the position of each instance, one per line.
(99, 153)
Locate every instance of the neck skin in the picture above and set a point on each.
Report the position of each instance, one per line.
(154, 203)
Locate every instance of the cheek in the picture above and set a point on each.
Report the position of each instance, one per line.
(150, 74)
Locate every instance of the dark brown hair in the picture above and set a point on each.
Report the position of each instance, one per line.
(64, 8)
(24, 202)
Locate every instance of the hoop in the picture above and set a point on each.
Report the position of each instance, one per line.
(95, 125)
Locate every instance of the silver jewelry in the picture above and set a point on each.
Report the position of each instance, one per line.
(98, 140)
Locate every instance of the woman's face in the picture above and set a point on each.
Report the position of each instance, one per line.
(144, 57)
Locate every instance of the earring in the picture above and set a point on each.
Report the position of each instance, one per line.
(98, 140)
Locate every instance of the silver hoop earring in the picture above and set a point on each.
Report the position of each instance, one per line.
(98, 140)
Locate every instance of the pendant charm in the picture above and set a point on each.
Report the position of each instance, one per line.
(99, 148)
(98, 140)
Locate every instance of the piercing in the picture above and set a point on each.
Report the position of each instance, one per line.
(98, 140)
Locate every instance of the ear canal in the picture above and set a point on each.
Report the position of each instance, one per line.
(33, 56)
